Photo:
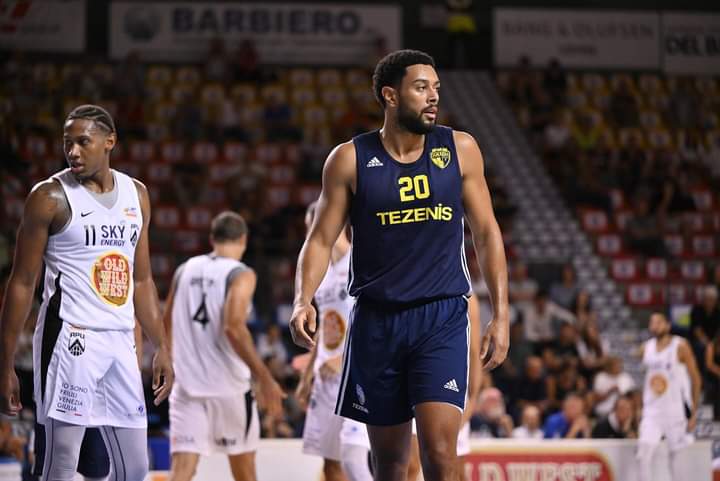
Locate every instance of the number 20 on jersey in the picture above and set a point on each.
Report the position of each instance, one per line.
(414, 188)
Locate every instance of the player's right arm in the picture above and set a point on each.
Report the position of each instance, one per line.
(41, 209)
(235, 313)
(332, 209)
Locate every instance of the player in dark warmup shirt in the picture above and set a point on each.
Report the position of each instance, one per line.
(407, 190)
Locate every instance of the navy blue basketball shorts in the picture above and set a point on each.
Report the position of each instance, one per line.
(93, 462)
(398, 357)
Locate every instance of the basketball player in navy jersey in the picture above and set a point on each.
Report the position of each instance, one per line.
(406, 190)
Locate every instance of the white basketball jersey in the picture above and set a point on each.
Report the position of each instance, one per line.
(334, 307)
(89, 263)
(664, 381)
(205, 363)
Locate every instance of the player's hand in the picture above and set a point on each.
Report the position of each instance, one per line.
(269, 396)
(10, 393)
(303, 324)
(495, 343)
(163, 375)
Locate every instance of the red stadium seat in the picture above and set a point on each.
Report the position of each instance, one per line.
(278, 196)
(162, 264)
(36, 147)
(166, 217)
(656, 269)
(198, 218)
(235, 151)
(677, 294)
(625, 269)
(268, 153)
(694, 221)
(693, 271)
(159, 173)
(189, 241)
(675, 244)
(205, 152)
(609, 245)
(703, 199)
(133, 169)
(172, 151)
(307, 194)
(141, 151)
(703, 245)
(643, 294)
(282, 174)
(595, 221)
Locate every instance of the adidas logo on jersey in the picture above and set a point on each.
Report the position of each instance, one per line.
(452, 385)
(374, 162)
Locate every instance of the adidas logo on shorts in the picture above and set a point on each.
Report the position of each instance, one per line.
(452, 385)
(374, 162)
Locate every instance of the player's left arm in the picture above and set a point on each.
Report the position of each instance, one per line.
(475, 375)
(147, 305)
(686, 356)
(489, 248)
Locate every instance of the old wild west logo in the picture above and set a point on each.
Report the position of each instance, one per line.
(440, 156)
(110, 277)
(542, 465)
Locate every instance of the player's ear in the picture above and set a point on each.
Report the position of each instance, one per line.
(390, 95)
(110, 141)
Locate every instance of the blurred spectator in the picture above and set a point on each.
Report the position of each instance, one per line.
(563, 383)
(610, 384)
(490, 419)
(521, 288)
(129, 77)
(620, 423)
(555, 81)
(247, 62)
(270, 344)
(563, 293)
(642, 231)
(557, 134)
(531, 390)
(704, 322)
(623, 107)
(586, 132)
(520, 351)
(592, 349)
(539, 318)
(187, 122)
(712, 369)
(217, 63)
(674, 196)
(530, 427)
(562, 351)
(684, 105)
(278, 121)
(569, 423)
(583, 310)
(10, 444)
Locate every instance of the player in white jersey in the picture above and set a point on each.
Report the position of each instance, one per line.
(342, 443)
(475, 376)
(665, 358)
(89, 224)
(212, 408)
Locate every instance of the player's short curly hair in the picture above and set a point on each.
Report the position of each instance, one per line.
(101, 117)
(228, 226)
(391, 69)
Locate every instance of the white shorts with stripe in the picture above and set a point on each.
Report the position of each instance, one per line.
(205, 425)
(87, 377)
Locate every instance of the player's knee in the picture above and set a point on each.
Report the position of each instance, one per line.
(439, 459)
(332, 470)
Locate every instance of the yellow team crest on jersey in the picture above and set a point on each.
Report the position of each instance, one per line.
(440, 156)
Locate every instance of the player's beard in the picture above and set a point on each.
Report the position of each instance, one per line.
(413, 122)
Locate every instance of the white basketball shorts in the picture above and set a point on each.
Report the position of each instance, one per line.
(205, 425)
(674, 429)
(87, 377)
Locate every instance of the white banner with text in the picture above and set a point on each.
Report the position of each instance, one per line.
(290, 33)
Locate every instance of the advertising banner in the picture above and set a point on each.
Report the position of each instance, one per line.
(577, 38)
(292, 33)
(43, 26)
(691, 43)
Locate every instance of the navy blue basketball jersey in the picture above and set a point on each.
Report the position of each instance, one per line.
(407, 223)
